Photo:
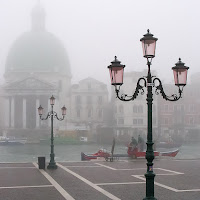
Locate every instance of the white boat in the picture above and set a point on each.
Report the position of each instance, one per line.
(12, 141)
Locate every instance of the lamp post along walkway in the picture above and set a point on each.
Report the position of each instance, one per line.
(52, 114)
(180, 77)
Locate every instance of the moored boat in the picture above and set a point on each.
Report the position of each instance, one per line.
(130, 153)
(101, 153)
(135, 153)
(12, 141)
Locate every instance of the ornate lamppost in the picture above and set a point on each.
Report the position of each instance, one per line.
(180, 77)
(52, 114)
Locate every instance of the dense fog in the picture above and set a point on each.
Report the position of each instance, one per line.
(63, 48)
(93, 32)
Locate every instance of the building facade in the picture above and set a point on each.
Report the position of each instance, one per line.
(88, 99)
(37, 66)
(181, 120)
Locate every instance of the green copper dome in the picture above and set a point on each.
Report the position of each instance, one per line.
(37, 50)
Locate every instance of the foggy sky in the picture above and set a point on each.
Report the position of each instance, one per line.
(94, 31)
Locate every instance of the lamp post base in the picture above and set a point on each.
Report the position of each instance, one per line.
(52, 166)
(149, 198)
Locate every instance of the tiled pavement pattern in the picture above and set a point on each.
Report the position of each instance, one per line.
(100, 180)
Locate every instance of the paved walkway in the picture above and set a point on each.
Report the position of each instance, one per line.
(100, 180)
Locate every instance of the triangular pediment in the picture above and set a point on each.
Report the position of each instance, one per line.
(30, 83)
(92, 80)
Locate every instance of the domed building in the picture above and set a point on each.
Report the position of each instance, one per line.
(37, 67)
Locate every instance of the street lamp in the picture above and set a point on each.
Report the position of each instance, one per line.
(180, 77)
(52, 114)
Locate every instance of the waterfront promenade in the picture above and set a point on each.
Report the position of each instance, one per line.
(100, 180)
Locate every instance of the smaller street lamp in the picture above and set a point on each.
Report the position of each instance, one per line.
(52, 114)
(52, 100)
(64, 110)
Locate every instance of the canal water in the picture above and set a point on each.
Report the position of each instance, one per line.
(31, 152)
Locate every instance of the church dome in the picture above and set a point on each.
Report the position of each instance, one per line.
(37, 50)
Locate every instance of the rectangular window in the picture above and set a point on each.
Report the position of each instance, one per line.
(140, 121)
(100, 113)
(121, 121)
(78, 99)
(166, 121)
(191, 120)
(134, 109)
(78, 113)
(121, 109)
(166, 108)
(140, 109)
(89, 86)
(134, 121)
(89, 113)
(89, 99)
(100, 100)
(191, 107)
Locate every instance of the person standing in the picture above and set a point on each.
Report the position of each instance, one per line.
(133, 143)
(140, 144)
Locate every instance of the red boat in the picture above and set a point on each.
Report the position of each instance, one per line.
(135, 153)
(101, 153)
(130, 153)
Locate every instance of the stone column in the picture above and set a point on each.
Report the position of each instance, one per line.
(12, 112)
(37, 116)
(49, 109)
(24, 113)
(7, 112)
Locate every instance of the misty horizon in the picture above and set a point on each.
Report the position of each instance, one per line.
(94, 32)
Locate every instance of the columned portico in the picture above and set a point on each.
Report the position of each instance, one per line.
(7, 113)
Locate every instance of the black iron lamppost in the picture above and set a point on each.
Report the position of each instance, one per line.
(52, 114)
(149, 82)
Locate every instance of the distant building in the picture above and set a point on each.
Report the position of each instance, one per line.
(88, 99)
(37, 67)
(181, 119)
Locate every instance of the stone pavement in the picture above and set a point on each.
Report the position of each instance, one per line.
(100, 180)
